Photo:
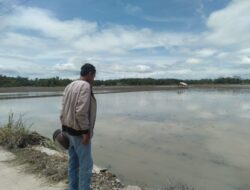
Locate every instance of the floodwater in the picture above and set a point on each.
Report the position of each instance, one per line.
(196, 136)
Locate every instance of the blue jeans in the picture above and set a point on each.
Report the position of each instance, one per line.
(80, 164)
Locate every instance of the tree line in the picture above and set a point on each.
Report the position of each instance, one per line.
(6, 81)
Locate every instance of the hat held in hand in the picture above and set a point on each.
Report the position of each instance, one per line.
(61, 139)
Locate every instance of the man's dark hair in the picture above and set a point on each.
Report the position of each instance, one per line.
(86, 68)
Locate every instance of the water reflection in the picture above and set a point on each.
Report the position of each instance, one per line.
(197, 136)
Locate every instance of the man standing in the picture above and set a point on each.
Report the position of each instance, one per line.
(78, 116)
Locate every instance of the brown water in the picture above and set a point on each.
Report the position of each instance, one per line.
(199, 137)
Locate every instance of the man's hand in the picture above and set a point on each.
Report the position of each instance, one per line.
(85, 138)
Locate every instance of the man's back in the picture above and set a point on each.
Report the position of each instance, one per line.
(75, 105)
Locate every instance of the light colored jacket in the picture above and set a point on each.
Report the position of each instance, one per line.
(79, 106)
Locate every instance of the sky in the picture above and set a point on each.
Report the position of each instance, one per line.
(185, 39)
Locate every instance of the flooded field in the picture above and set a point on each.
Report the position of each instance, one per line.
(196, 136)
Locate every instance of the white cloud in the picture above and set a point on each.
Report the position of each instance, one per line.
(206, 52)
(222, 55)
(245, 59)
(45, 22)
(245, 51)
(132, 68)
(119, 39)
(65, 67)
(193, 61)
(230, 25)
(16, 67)
(143, 68)
(11, 39)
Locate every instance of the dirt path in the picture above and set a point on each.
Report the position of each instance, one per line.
(12, 177)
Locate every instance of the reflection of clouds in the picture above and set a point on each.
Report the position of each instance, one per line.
(193, 107)
(221, 112)
(245, 106)
(244, 110)
(245, 116)
(206, 115)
